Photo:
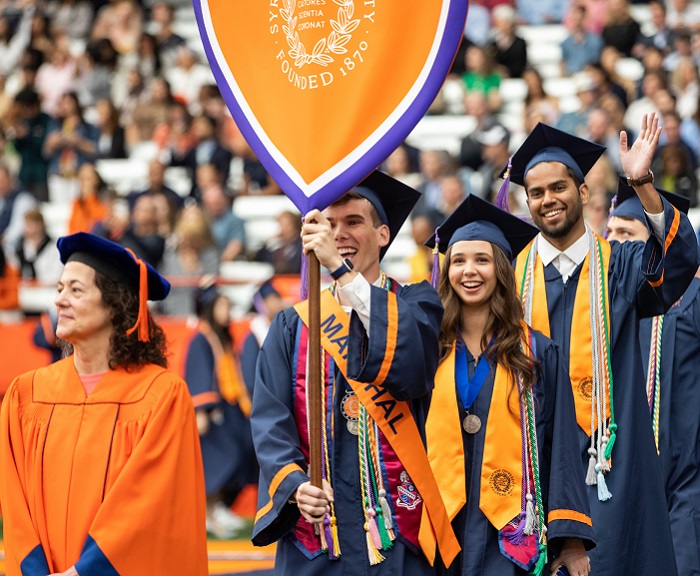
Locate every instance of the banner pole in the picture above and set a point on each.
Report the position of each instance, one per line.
(313, 381)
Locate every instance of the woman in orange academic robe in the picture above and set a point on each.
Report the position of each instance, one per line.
(100, 465)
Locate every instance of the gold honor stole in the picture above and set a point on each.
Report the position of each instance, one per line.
(580, 344)
(401, 431)
(501, 469)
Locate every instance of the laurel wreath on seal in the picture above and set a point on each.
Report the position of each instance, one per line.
(334, 43)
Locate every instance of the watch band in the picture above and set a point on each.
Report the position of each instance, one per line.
(343, 269)
(648, 178)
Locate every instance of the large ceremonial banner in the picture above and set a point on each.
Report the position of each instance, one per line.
(325, 90)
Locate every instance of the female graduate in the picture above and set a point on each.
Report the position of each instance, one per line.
(501, 427)
(222, 408)
(100, 466)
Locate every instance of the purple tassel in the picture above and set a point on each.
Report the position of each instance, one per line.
(435, 276)
(304, 273)
(329, 537)
(518, 535)
(613, 205)
(502, 196)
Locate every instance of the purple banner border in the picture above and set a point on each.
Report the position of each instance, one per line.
(347, 179)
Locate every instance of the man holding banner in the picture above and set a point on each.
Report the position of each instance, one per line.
(379, 506)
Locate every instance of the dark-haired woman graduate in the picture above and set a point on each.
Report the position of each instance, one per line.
(501, 427)
(222, 407)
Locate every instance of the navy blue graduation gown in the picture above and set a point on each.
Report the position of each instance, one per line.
(249, 358)
(632, 529)
(227, 447)
(561, 471)
(276, 438)
(679, 423)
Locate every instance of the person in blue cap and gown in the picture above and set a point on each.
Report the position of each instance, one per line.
(379, 511)
(588, 295)
(501, 389)
(670, 346)
(222, 408)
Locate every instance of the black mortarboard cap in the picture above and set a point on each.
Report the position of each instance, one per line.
(113, 260)
(628, 205)
(547, 144)
(393, 201)
(477, 219)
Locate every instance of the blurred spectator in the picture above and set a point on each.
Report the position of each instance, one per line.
(600, 130)
(156, 109)
(684, 85)
(652, 82)
(116, 219)
(451, 194)
(616, 112)
(110, 143)
(147, 57)
(14, 204)
(57, 76)
(12, 45)
(96, 70)
(602, 179)
(27, 129)
(581, 47)
(7, 102)
(605, 84)
(496, 142)
(609, 59)
(206, 150)
(189, 254)
(166, 215)
(682, 48)
(671, 136)
(88, 208)
(267, 302)
(509, 48)
(661, 35)
(475, 105)
(537, 100)
(434, 166)
(121, 21)
(576, 121)
(676, 174)
(402, 166)
(481, 75)
(44, 335)
(476, 30)
(70, 143)
(142, 235)
(157, 187)
(41, 34)
(541, 11)
(421, 261)
(256, 179)
(595, 212)
(71, 16)
(621, 30)
(595, 15)
(652, 61)
(167, 41)
(25, 75)
(227, 228)
(284, 250)
(682, 14)
(188, 75)
(36, 253)
(128, 94)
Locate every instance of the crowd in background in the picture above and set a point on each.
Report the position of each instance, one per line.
(83, 81)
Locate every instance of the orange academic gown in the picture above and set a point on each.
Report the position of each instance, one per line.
(111, 483)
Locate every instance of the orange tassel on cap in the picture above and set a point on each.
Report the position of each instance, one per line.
(142, 318)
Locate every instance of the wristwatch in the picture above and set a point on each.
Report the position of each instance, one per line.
(343, 269)
(648, 178)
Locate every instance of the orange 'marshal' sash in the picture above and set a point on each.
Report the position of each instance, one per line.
(580, 346)
(501, 469)
(397, 424)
